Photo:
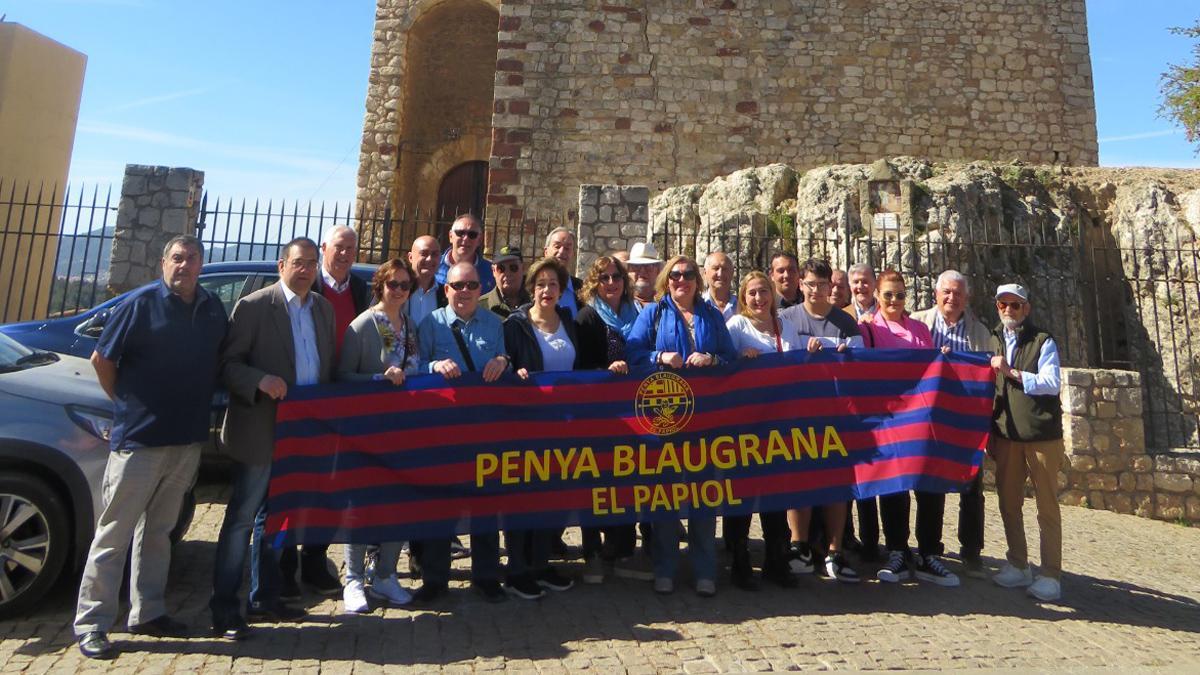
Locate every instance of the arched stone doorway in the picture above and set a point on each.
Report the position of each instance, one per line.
(446, 101)
(463, 190)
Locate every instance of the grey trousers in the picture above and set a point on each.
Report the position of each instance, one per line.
(143, 490)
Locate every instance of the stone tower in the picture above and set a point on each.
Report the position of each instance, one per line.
(513, 104)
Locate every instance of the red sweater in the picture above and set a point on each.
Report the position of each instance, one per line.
(343, 313)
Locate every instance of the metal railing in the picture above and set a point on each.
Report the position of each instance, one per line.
(54, 249)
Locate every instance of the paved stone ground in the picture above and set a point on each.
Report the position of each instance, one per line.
(1131, 600)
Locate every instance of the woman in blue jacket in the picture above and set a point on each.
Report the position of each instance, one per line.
(678, 331)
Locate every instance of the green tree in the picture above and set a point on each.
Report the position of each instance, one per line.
(1181, 89)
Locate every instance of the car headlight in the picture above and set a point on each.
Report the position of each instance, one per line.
(96, 422)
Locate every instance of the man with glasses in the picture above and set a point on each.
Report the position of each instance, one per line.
(509, 293)
(466, 238)
(1027, 440)
(718, 276)
(785, 274)
(455, 339)
(428, 294)
(956, 329)
(821, 326)
(279, 337)
(560, 245)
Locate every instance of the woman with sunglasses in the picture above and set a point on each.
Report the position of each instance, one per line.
(380, 344)
(605, 321)
(892, 328)
(682, 330)
(758, 329)
(540, 336)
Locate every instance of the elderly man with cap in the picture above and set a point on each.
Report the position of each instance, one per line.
(509, 293)
(955, 328)
(1027, 440)
(644, 265)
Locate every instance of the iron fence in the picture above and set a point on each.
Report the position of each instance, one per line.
(54, 249)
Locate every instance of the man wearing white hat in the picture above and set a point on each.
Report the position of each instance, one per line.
(1027, 440)
(644, 265)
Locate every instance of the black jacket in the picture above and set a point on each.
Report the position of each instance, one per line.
(359, 288)
(593, 340)
(522, 345)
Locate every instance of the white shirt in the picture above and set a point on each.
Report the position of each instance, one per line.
(730, 307)
(558, 353)
(745, 335)
(333, 284)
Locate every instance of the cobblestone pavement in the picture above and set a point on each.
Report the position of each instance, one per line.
(1131, 599)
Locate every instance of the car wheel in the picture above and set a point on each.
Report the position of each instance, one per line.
(35, 535)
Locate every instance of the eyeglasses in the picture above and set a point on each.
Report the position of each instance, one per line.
(686, 275)
(469, 234)
(394, 285)
(1015, 304)
(611, 278)
(302, 264)
(511, 268)
(817, 286)
(899, 295)
(464, 285)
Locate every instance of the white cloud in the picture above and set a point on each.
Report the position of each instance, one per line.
(1141, 136)
(161, 98)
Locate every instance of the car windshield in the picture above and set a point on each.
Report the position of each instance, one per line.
(16, 356)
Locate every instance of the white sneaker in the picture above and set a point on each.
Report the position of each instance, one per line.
(389, 589)
(1045, 589)
(1011, 577)
(355, 598)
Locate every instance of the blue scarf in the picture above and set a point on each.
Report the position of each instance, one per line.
(622, 323)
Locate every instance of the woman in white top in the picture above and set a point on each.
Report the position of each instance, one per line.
(539, 336)
(380, 344)
(758, 329)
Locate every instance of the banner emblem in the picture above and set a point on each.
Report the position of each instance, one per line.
(664, 403)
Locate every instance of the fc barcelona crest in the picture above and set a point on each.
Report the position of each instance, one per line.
(664, 403)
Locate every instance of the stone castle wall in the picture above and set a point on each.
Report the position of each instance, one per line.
(670, 92)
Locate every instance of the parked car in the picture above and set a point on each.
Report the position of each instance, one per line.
(77, 335)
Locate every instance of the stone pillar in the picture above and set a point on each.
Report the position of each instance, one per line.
(611, 218)
(157, 203)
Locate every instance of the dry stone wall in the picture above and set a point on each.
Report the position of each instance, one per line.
(611, 218)
(674, 92)
(157, 203)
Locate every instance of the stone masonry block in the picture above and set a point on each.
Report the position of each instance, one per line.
(1173, 482)
(1077, 377)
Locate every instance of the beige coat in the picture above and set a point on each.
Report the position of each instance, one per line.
(260, 343)
(978, 335)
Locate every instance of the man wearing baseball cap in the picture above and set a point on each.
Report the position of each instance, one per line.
(509, 293)
(1027, 440)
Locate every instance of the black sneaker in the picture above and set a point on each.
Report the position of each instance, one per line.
(741, 574)
(800, 558)
(235, 629)
(163, 626)
(551, 580)
(458, 550)
(838, 568)
(428, 593)
(524, 587)
(561, 550)
(279, 613)
(896, 568)
(489, 590)
(932, 570)
(317, 577)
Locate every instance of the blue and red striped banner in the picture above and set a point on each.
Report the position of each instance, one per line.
(369, 462)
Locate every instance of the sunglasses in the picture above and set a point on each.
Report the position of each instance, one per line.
(687, 275)
(464, 285)
(511, 268)
(611, 278)
(468, 234)
(888, 295)
(394, 285)
(1015, 304)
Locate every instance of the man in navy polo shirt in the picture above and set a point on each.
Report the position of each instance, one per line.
(157, 361)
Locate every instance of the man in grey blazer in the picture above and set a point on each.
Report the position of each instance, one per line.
(279, 337)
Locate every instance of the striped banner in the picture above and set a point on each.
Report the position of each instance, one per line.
(369, 462)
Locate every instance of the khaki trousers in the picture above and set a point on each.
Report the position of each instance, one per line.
(1039, 460)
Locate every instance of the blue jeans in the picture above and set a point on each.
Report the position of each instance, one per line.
(485, 559)
(702, 548)
(250, 483)
(385, 562)
(265, 578)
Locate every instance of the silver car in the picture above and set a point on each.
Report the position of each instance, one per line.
(55, 422)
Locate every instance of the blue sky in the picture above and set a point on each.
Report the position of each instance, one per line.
(266, 96)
